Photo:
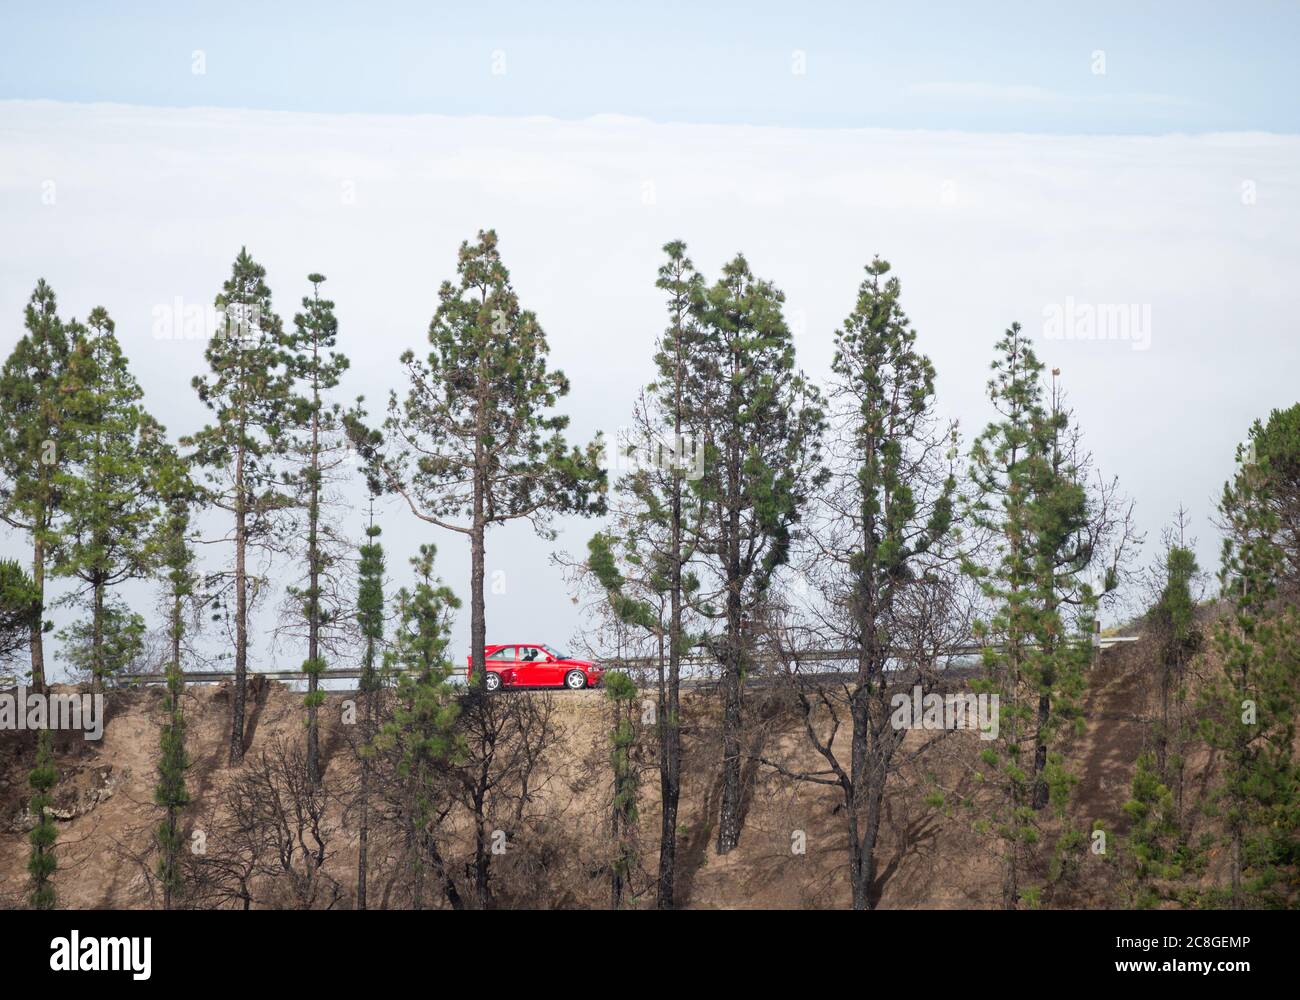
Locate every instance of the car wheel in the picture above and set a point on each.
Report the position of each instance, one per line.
(492, 681)
(575, 680)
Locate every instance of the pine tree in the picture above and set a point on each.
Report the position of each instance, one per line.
(1036, 512)
(32, 440)
(370, 618)
(879, 539)
(177, 492)
(1272, 463)
(761, 422)
(655, 519)
(111, 509)
(668, 505)
(320, 449)
(1251, 707)
(625, 568)
(475, 442)
(1172, 625)
(1068, 537)
(1153, 840)
(107, 643)
(422, 730)
(248, 391)
(41, 862)
(20, 607)
(33, 477)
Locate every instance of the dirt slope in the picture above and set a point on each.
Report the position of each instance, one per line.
(930, 854)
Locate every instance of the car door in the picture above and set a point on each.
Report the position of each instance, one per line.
(502, 661)
(533, 666)
(550, 671)
(526, 666)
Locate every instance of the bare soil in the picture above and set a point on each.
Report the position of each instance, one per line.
(792, 851)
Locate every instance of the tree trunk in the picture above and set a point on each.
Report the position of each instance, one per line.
(97, 637)
(448, 886)
(1179, 750)
(364, 835)
(239, 693)
(729, 820)
(313, 601)
(1010, 877)
(169, 858)
(1162, 737)
(477, 611)
(1236, 865)
(875, 809)
(174, 687)
(616, 834)
(413, 852)
(670, 734)
(1040, 796)
(37, 630)
(482, 857)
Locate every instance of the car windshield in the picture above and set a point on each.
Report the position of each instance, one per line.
(556, 653)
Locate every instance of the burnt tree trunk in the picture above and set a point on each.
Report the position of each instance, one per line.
(240, 692)
(1040, 794)
(313, 599)
(363, 836)
(670, 733)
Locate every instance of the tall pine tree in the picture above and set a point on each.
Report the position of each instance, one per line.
(320, 451)
(33, 442)
(248, 391)
(1252, 704)
(111, 507)
(475, 442)
(761, 422)
(655, 522)
(173, 486)
(1034, 510)
(878, 537)
(422, 730)
(370, 618)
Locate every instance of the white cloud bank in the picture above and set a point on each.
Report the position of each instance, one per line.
(131, 208)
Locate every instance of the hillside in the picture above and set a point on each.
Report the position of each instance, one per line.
(931, 856)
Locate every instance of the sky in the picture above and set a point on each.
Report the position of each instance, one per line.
(1094, 68)
(1004, 182)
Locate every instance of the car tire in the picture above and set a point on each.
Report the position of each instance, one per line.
(492, 681)
(575, 680)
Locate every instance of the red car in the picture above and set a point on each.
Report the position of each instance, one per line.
(534, 664)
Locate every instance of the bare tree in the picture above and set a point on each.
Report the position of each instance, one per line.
(271, 843)
(506, 739)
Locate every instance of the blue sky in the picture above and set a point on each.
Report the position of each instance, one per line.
(1027, 67)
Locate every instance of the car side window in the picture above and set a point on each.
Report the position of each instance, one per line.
(528, 653)
(504, 653)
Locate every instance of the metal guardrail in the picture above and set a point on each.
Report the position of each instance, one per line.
(811, 656)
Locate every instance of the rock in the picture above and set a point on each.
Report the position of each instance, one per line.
(79, 793)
